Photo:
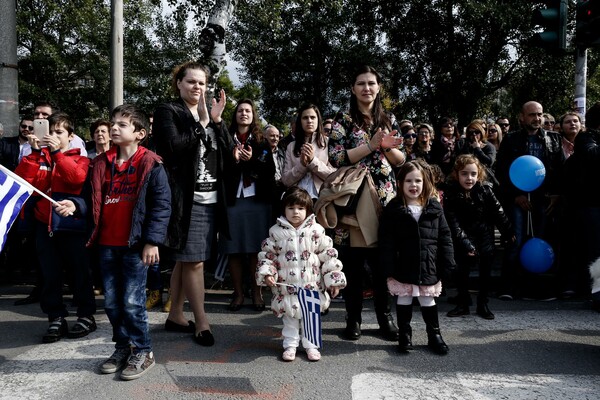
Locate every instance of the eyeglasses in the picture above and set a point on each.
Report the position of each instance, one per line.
(410, 136)
(29, 127)
(503, 125)
(473, 133)
(493, 131)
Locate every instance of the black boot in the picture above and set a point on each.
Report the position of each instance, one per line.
(404, 314)
(434, 338)
(387, 327)
(352, 331)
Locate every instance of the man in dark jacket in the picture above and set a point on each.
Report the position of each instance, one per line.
(533, 140)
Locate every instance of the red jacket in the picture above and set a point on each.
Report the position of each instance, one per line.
(53, 173)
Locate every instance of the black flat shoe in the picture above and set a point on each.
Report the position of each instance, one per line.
(205, 338)
(352, 331)
(458, 311)
(233, 306)
(484, 312)
(259, 306)
(171, 326)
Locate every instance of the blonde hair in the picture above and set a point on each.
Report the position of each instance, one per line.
(462, 161)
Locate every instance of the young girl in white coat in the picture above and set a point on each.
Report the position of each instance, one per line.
(297, 252)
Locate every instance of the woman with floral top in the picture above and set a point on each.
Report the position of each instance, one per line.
(369, 137)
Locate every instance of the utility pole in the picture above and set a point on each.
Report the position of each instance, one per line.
(9, 75)
(116, 54)
(580, 81)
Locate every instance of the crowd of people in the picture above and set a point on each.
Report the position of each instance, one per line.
(359, 199)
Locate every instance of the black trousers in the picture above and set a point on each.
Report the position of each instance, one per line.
(353, 260)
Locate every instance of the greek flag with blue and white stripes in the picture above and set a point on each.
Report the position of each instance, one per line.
(310, 305)
(12, 197)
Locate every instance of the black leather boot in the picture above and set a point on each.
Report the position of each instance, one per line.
(387, 327)
(404, 314)
(352, 331)
(434, 338)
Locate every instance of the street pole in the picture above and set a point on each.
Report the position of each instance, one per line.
(9, 74)
(580, 81)
(116, 54)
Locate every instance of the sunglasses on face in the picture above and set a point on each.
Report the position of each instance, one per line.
(29, 127)
(447, 126)
(503, 125)
(548, 122)
(410, 136)
(493, 131)
(473, 133)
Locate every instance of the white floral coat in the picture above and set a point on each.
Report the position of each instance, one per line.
(303, 257)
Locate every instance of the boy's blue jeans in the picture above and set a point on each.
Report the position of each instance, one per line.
(124, 277)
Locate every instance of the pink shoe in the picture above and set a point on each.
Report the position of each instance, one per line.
(289, 354)
(313, 354)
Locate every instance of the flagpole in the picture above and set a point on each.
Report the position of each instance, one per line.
(27, 184)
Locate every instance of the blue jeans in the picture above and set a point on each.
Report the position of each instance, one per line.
(124, 277)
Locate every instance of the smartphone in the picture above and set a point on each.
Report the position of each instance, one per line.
(40, 128)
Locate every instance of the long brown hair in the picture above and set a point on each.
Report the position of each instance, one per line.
(429, 190)
(378, 117)
(300, 135)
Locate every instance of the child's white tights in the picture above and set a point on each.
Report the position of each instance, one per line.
(424, 301)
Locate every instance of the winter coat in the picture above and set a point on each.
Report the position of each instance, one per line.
(260, 168)
(303, 257)
(152, 210)
(472, 217)
(61, 175)
(177, 136)
(415, 252)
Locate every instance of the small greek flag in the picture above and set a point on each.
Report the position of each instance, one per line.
(310, 305)
(13, 195)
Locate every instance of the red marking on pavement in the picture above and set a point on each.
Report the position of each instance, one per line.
(142, 388)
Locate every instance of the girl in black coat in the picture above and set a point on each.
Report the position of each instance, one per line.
(416, 249)
(472, 211)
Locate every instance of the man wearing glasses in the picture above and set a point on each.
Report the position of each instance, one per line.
(504, 125)
(10, 147)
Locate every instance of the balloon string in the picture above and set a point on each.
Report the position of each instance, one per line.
(529, 219)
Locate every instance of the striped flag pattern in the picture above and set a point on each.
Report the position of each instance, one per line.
(12, 197)
(310, 305)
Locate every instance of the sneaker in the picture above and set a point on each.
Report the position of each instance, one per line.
(137, 365)
(58, 328)
(289, 354)
(83, 327)
(153, 299)
(116, 361)
(313, 354)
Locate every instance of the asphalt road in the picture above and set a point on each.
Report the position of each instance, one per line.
(532, 350)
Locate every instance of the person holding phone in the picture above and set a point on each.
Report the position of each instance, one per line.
(55, 169)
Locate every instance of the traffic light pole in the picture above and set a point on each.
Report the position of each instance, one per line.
(580, 81)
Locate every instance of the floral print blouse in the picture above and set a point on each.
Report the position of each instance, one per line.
(346, 135)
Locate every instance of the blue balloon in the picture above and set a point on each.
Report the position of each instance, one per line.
(527, 173)
(537, 256)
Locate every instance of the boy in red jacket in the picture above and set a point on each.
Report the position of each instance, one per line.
(60, 172)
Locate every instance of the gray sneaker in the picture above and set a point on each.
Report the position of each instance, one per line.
(137, 365)
(116, 361)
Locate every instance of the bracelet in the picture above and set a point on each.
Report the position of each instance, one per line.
(370, 148)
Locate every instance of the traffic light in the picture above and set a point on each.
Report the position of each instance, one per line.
(553, 19)
(588, 20)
